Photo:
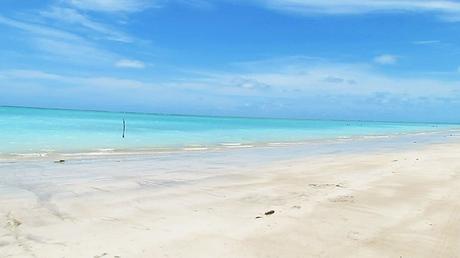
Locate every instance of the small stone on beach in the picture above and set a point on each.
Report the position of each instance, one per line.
(269, 212)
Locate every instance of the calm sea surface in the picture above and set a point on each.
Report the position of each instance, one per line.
(32, 130)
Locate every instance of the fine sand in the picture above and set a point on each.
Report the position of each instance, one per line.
(389, 203)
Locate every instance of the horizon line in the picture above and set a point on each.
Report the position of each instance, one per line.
(223, 116)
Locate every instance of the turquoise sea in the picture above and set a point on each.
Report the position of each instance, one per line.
(41, 131)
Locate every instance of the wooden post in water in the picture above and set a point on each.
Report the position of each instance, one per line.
(124, 128)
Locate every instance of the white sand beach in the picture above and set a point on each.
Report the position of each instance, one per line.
(230, 129)
(381, 203)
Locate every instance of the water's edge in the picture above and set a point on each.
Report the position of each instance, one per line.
(28, 133)
(355, 143)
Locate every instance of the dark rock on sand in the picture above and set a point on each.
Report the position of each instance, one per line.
(269, 212)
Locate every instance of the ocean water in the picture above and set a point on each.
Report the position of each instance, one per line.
(42, 131)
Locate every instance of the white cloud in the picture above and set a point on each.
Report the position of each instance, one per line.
(59, 43)
(112, 5)
(386, 59)
(426, 42)
(284, 82)
(449, 10)
(111, 82)
(288, 79)
(74, 51)
(29, 74)
(72, 16)
(287, 89)
(66, 80)
(39, 30)
(65, 46)
(127, 63)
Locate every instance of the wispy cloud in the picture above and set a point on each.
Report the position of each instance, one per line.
(29, 74)
(75, 81)
(72, 16)
(76, 52)
(113, 83)
(39, 30)
(328, 88)
(447, 9)
(426, 42)
(113, 5)
(386, 59)
(126, 63)
(285, 78)
(61, 44)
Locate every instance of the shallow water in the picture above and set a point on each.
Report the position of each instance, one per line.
(31, 131)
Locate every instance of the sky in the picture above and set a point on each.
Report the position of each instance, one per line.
(386, 60)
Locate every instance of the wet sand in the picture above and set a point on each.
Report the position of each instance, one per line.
(397, 202)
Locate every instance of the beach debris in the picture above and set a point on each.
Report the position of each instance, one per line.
(102, 255)
(296, 207)
(258, 217)
(270, 212)
(12, 223)
(60, 161)
(324, 185)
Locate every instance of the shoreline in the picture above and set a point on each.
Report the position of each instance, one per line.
(109, 152)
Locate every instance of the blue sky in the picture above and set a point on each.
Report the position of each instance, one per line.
(348, 59)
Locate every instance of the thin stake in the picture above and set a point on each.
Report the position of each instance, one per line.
(124, 128)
